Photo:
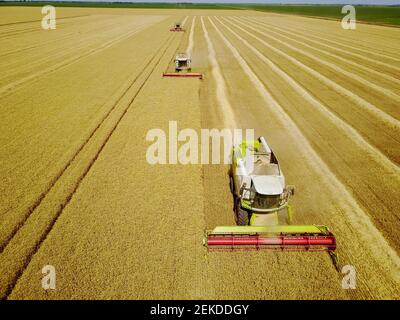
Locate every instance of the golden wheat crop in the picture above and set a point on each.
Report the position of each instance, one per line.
(76, 189)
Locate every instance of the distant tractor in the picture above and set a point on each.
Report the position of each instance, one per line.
(177, 27)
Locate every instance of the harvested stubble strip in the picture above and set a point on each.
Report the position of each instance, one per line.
(26, 240)
(118, 224)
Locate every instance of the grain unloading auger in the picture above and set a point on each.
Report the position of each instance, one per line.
(183, 67)
(262, 211)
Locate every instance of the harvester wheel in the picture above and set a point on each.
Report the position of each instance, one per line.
(231, 185)
(241, 215)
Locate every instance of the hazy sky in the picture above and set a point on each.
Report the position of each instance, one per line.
(382, 2)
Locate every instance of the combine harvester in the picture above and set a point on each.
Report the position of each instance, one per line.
(177, 27)
(183, 67)
(262, 211)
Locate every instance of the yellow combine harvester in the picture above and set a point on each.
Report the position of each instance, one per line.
(263, 213)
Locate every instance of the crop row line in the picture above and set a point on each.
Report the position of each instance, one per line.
(352, 210)
(152, 63)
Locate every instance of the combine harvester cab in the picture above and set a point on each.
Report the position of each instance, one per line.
(177, 27)
(183, 67)
(262, 211)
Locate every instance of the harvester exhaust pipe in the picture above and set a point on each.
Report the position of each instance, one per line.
(265, 145)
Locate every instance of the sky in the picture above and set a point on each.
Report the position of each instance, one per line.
(375, 2)
(382, 2)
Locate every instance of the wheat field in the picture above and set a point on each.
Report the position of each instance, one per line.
(78, 193)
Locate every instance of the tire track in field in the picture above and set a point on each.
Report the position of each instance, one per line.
(350, 132)
(11, 33)
(350, 42)
(76, 56)
(31, 21)
(33, 207)
(66, 49)
(355, 64)
(184, 21)
(62, 206)
(349, 48)
(360, 221)
(17, 84)
(222, 96)
(172, 60)
(388, 93)
(379, 161)
(191, 36)
(108, 28)
(66, 36)
(387, 119)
